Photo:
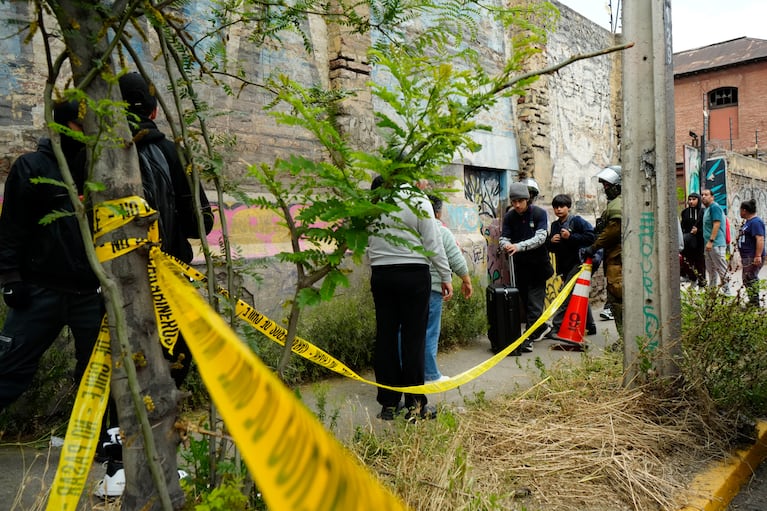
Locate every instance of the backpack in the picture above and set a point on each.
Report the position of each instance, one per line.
(158, 189)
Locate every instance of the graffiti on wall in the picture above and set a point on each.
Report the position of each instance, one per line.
(483, 188)
(461, 218)
(646, 250)
(716, 180)
(744, 189)
(253, 232)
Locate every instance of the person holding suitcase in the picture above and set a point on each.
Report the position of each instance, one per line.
(523, 236)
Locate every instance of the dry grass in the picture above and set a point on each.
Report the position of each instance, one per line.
(575, 441)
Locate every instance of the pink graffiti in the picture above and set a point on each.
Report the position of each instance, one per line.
(253, 232)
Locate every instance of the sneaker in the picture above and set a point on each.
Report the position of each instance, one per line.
(551, 333)
(591, 330)
(111, 448)
(606, 315)
(113, 435)
(113, 483)
(527, 346)
(389, 413)
(541, 333)
(438, 380)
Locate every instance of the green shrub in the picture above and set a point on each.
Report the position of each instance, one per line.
(463, 320)
(724, 346)
(345, 328)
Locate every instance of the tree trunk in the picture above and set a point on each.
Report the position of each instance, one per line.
(117, 168)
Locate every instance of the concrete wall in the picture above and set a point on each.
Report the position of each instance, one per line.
(561, 132)
(570, 121)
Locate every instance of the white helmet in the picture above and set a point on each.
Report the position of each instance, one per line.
(532, 186)
(610, 175)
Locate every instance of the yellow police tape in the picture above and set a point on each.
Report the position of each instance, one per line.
(307, 350)
(295, 462)
(287, 470)
(84, 428)
(167, 326)
(110, 215)
(113, 214)
(271, 329)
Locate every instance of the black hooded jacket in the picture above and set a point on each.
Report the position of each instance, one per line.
(693, 217)
(185, 225)
(50, 255)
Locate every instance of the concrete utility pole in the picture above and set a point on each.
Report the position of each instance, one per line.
(651, 300)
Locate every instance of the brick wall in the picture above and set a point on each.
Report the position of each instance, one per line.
(689, 96)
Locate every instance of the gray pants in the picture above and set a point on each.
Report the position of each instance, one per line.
(534, 297)
(716, 267)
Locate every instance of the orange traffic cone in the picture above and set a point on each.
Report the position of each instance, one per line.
(573, 328)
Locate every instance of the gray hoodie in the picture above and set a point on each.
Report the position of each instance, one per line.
(418, 229)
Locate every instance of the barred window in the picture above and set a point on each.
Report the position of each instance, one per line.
(723, 96)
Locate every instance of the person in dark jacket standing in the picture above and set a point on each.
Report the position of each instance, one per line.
(178, 219)
(167, 191)
(46, 279)
(523, 236)
(569, 234)
(693, 263)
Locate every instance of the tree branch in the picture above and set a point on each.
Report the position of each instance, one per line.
(556, 67)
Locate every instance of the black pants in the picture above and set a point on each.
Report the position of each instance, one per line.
(30, 331)
(401, 297)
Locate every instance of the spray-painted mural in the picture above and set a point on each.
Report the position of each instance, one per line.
(483, 188)
(716, 173)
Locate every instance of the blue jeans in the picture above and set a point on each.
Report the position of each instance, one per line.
(430, 369)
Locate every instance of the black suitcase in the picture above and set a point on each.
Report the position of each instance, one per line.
(504, 314)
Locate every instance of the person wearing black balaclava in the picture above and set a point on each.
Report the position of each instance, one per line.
(693, 264)
(47, 282)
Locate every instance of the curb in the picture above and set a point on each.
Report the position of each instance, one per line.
(714, 489)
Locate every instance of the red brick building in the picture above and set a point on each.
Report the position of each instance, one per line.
(728, 81)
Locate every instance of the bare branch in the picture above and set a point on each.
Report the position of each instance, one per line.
(556, 67)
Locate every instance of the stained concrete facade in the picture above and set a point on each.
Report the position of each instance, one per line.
(561, 132)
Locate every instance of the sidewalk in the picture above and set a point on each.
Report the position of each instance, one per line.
(712, 490)
(355, 402)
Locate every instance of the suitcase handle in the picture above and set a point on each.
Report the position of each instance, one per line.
(512, 277)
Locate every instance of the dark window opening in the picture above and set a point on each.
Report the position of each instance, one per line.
(723, 96)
